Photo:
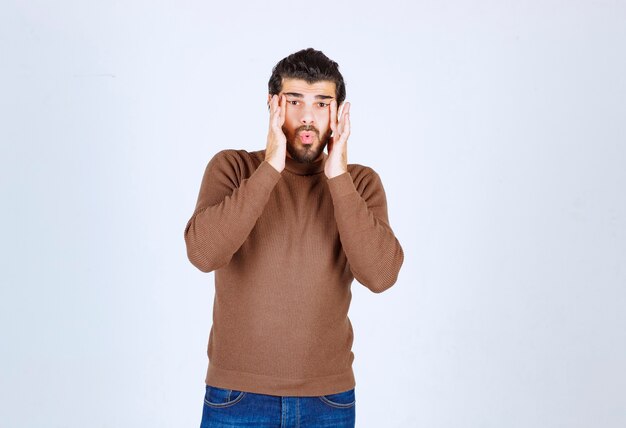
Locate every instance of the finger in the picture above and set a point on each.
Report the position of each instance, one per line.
(346, 127)
(341, 119)
(345, 108)
(279, 112)
(283, 110)
(272, 106)
(275, 112)
(333, 116)
(276, 118)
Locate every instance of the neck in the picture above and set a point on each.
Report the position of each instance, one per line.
(305, 168)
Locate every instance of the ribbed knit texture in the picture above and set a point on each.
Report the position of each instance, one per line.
(285, 248)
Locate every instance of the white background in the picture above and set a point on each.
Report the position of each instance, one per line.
(497, 127)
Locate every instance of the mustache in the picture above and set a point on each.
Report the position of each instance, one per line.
(308, 128)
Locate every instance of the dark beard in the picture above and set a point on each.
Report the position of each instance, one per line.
(306, 153)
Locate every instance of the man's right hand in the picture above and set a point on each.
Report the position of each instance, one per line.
(276, 149)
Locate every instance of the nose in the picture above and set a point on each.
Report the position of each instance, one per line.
(307, 116)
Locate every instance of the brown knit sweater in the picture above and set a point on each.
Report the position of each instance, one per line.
(285, 248)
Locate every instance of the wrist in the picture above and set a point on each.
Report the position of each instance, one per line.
(278, 166)
(336, 172)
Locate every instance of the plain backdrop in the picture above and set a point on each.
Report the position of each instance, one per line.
(497, 127)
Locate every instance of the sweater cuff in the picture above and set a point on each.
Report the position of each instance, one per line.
(341, 185)
(267, 175)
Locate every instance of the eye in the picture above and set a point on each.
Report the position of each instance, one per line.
(293, 102)
(322, 105)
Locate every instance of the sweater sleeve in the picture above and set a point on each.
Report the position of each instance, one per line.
(373, 252)
(227, 209)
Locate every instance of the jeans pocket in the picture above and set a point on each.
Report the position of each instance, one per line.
(340, 400)
(222, 397)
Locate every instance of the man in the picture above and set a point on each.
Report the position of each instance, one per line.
(286, 230)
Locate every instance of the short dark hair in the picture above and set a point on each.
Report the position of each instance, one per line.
(311, 66)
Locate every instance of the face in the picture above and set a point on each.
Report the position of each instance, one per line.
(307, 118)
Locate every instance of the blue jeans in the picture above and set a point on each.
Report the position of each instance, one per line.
(229, 408)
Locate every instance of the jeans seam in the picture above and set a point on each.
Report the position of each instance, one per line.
(337, 405)
(230, 403)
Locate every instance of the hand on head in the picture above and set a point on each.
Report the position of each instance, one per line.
(337, 162)
(276, 148)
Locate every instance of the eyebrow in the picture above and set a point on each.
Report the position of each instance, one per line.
(317, 97)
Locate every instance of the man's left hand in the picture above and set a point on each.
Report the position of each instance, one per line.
(337, 162)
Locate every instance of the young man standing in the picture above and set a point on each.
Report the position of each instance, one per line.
(286, 230)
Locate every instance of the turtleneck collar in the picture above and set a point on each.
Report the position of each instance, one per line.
(301, 168)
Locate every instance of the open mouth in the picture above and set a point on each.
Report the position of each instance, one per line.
(306, 137)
